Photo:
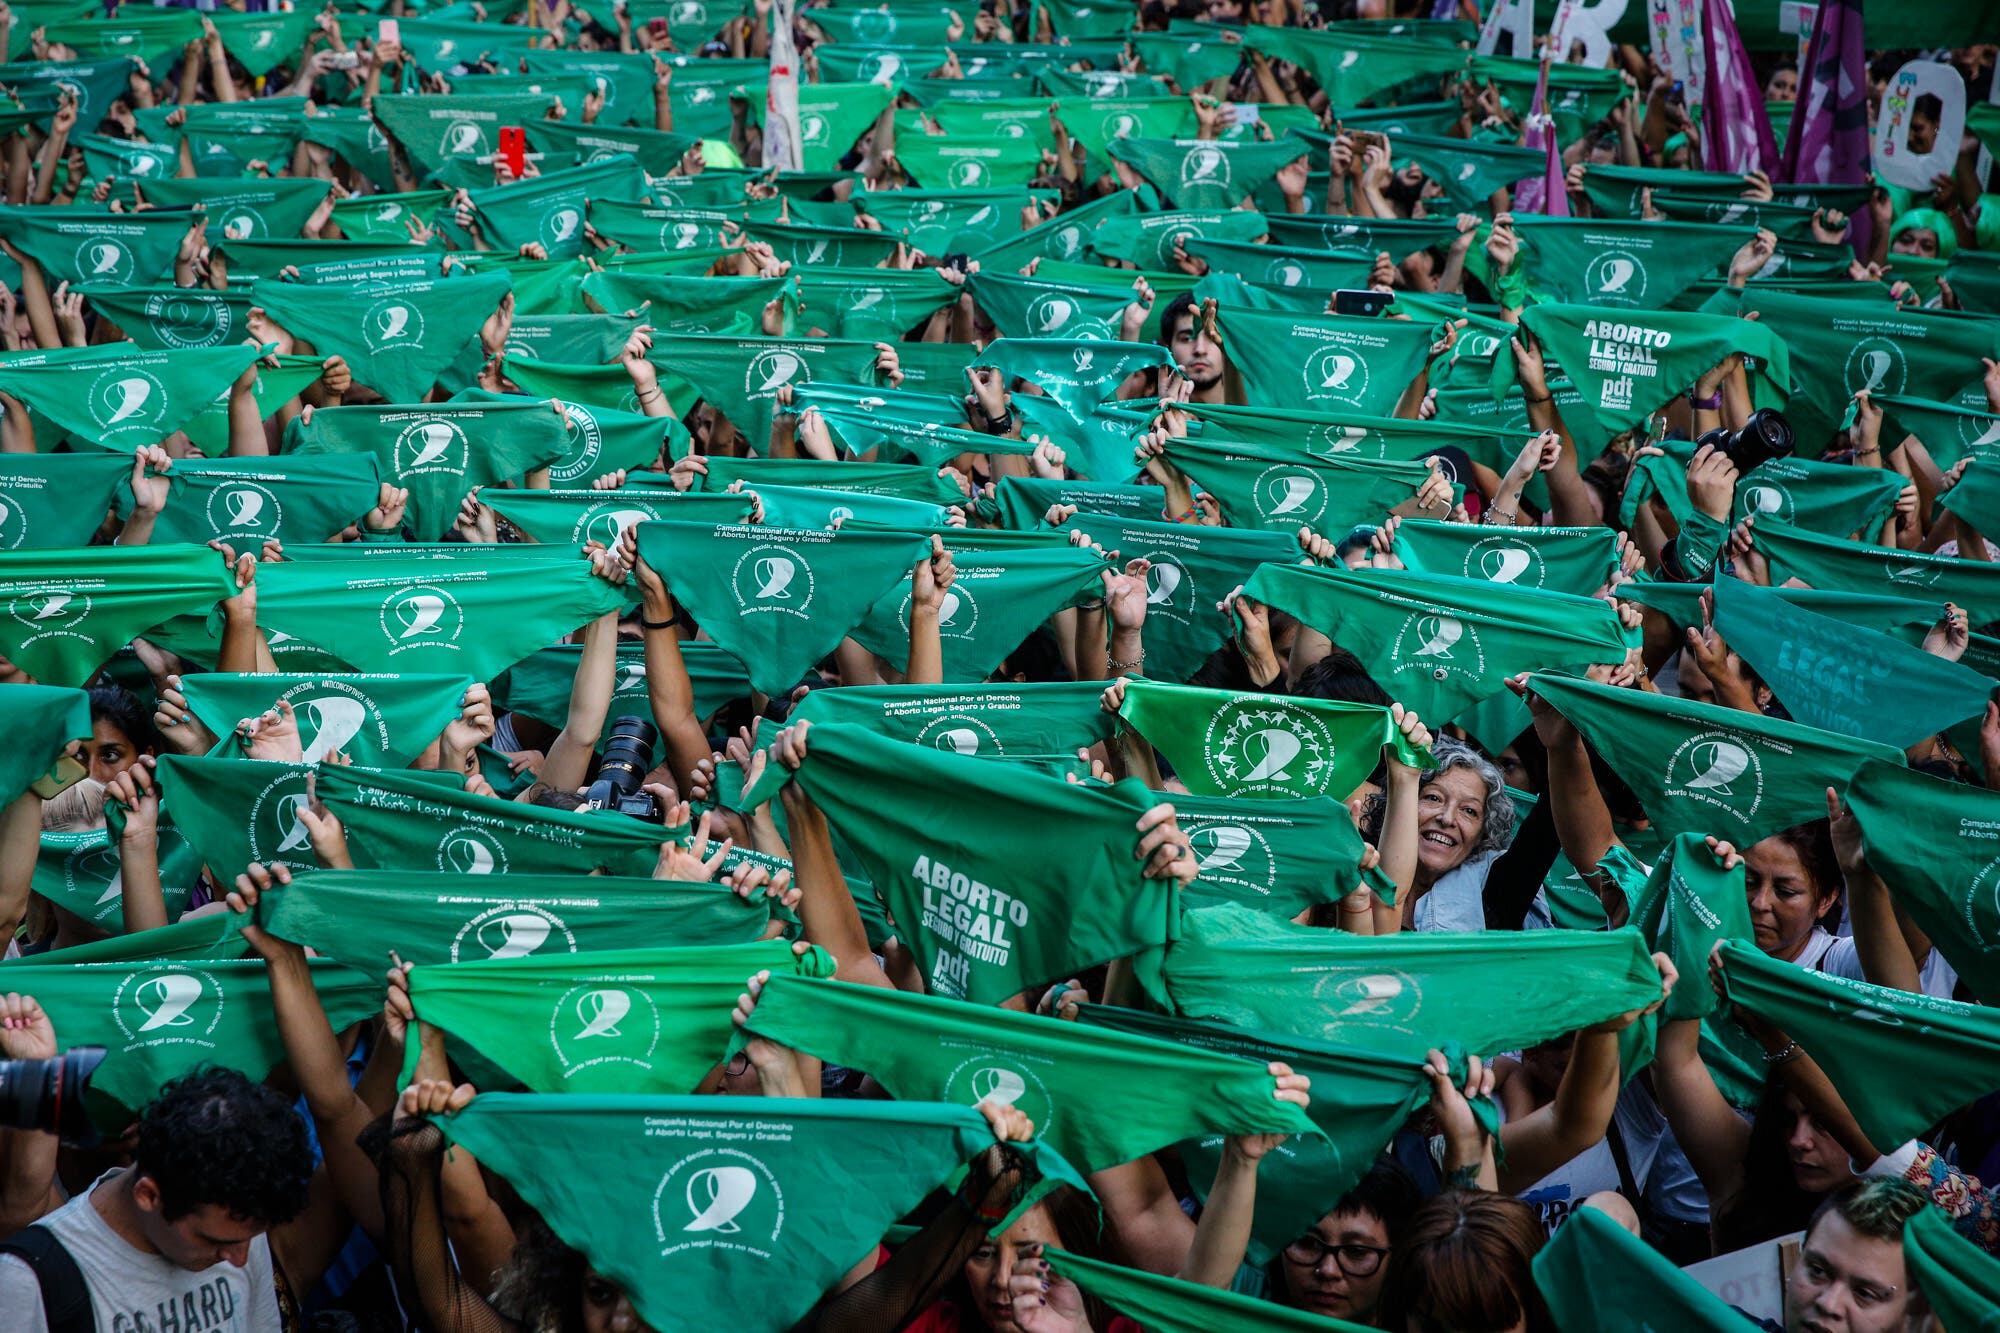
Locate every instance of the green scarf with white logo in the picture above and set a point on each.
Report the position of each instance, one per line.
(627, 1020)
(1278, 856)
(119, 398)
(378, 721)
(1043, 308)
(1701, 768)
(548, 210)
(777, 599)
(691, 303)
(1900, 1061)
(1077, 374)
(1338, 432)
(80, 245)
(1310, 271)
(1193, 568)
(162, 317)
(1351, 63)
(1577, 561)
(1169, 1305)
(1830, 498)
(740, 377)
(1229, 743)
(1021, 503)
(158, 1020)
(49, 500)
(896, 480)
(1845, 566)
(968, 162)
(928, 443)
(1840, 677)
(539, 686)
(1147, 239)
(1594, 1273)
(438, 452)
(241, 209)
(397, 340)
(1334, 363)
(83, 873)
(248, 501)
(1095, 121)
(871, 303)
(432, 130)
(358, 916)
(1093, 1093)
(572, 339)
(713, 1196)
(1281, 489)
(1839, 348)
(1615, 264)
(987, 911)
(1933, 842)
(833, 115)
(461, 610)
(997, 600)
(1469, 171)
(1629, 363)
(1950, 431)
(1438, 643)
(1401, 995)
(1042, 720)
(1205, 173)
(40, 721)
(1687, 905)
(399, 822)
(1975, 496)
(571, 518)
(70, 609)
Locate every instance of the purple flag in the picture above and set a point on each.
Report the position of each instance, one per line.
(1828, 141)
(1547, 194)
(1735, 131)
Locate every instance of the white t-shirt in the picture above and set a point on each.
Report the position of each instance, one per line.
(1837, 956)
(135, 1292)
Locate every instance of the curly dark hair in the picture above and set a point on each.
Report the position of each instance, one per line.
(214, 1137)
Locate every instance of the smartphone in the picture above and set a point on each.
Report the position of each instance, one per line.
(64, 774)
(1361, 301)
(346, 59)
(514, 149)
(1244, 113)
(388, 30)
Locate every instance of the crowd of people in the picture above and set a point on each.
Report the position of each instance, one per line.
(1066, 666)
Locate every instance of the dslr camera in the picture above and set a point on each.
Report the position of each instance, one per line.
(1765, 436)
(47, 1094)
(628, 757)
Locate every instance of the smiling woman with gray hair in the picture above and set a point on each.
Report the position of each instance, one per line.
(1474, 871)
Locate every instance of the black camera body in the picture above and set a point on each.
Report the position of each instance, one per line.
(1765, 436)
(47, 1094)
(628, 757)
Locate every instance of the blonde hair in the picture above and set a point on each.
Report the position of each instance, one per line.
(77, 808)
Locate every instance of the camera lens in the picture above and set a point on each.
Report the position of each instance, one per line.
(48, 1094)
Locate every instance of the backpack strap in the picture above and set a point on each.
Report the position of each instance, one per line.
(66, 1304)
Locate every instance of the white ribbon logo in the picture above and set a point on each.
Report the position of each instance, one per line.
(1002, 1087)
(1228, 843)
(1721, 763)
(513, 936)
(774, 575)
(1290, 493)
(166, 1000)
(717, 1195)
(469, 856)
(104, 257)
(420, 613)
(53, 605)
(1279, 748)
(1875, 365)
(600, 1012)
(244, 506)
(1161, 581)
(961, 740)
(1504, 564)
(1441, 634)
(335, 720)
(132, 394)
(1617, 273)
(297, 835)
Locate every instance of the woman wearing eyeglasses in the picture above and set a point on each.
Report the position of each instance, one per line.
(1336, 1267)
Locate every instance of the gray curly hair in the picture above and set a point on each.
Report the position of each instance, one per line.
(1498, 826)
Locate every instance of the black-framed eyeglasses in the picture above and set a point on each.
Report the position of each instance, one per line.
(1353, 1258)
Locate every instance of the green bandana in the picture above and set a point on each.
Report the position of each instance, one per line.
(1077, 374)
(628, 1020)
(1280, 489)
(395, 822)
(1900, 1061)
(571, 518)
(1930, 840)
(83, 873)
(740, 377)
(1040, 308)
(432, 130)
(1975, 497)
(1401, 995)
(1190, 53)
(1003, 912)
(459, 611)
(208, 936)
(96, 245)
(248, 501)
(120, 398)
(51, 500)
(1577, 561)
(1329, 364)
(1615, 191)
(439, 452)
(1045, 720)
(1840, 677)
(1352, 65)
(167, 318)
(712, 1196)
(397, 341)
(353, 135)
(1147, 240)
(1440, 644)
(998, 600)
(1302, 269)
(833, 115)
(1062, 238)
(625, 82)
(539, 686)
(1687, 905)
(1203, 173)
(769, 595)
(1830, 498)
(574, 339)
(1092, 1093)
(71, 609)
(871, 303)
(95, 84)
(1595, 1274)
(262, 42)
(608, 387)
(548, 209)
(893, 480)
(1278, 856)
(1193, 567)
(1842, 347)
(1835, 565)
(1701, 768)
(1630, 265)
(1224, 743)
(1168, 1305)
(1022, 502)
(1095, 121)
(927, 443)
(961, 162)
(158, 1020)
(360, 915)
(1629, 363)
(378, 721)
(1959, 1280)
(320, 263)
(40, 721)
(1401, 237)
(656, 152)
(1338, 432)
(239, 210)
(1469, 171)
